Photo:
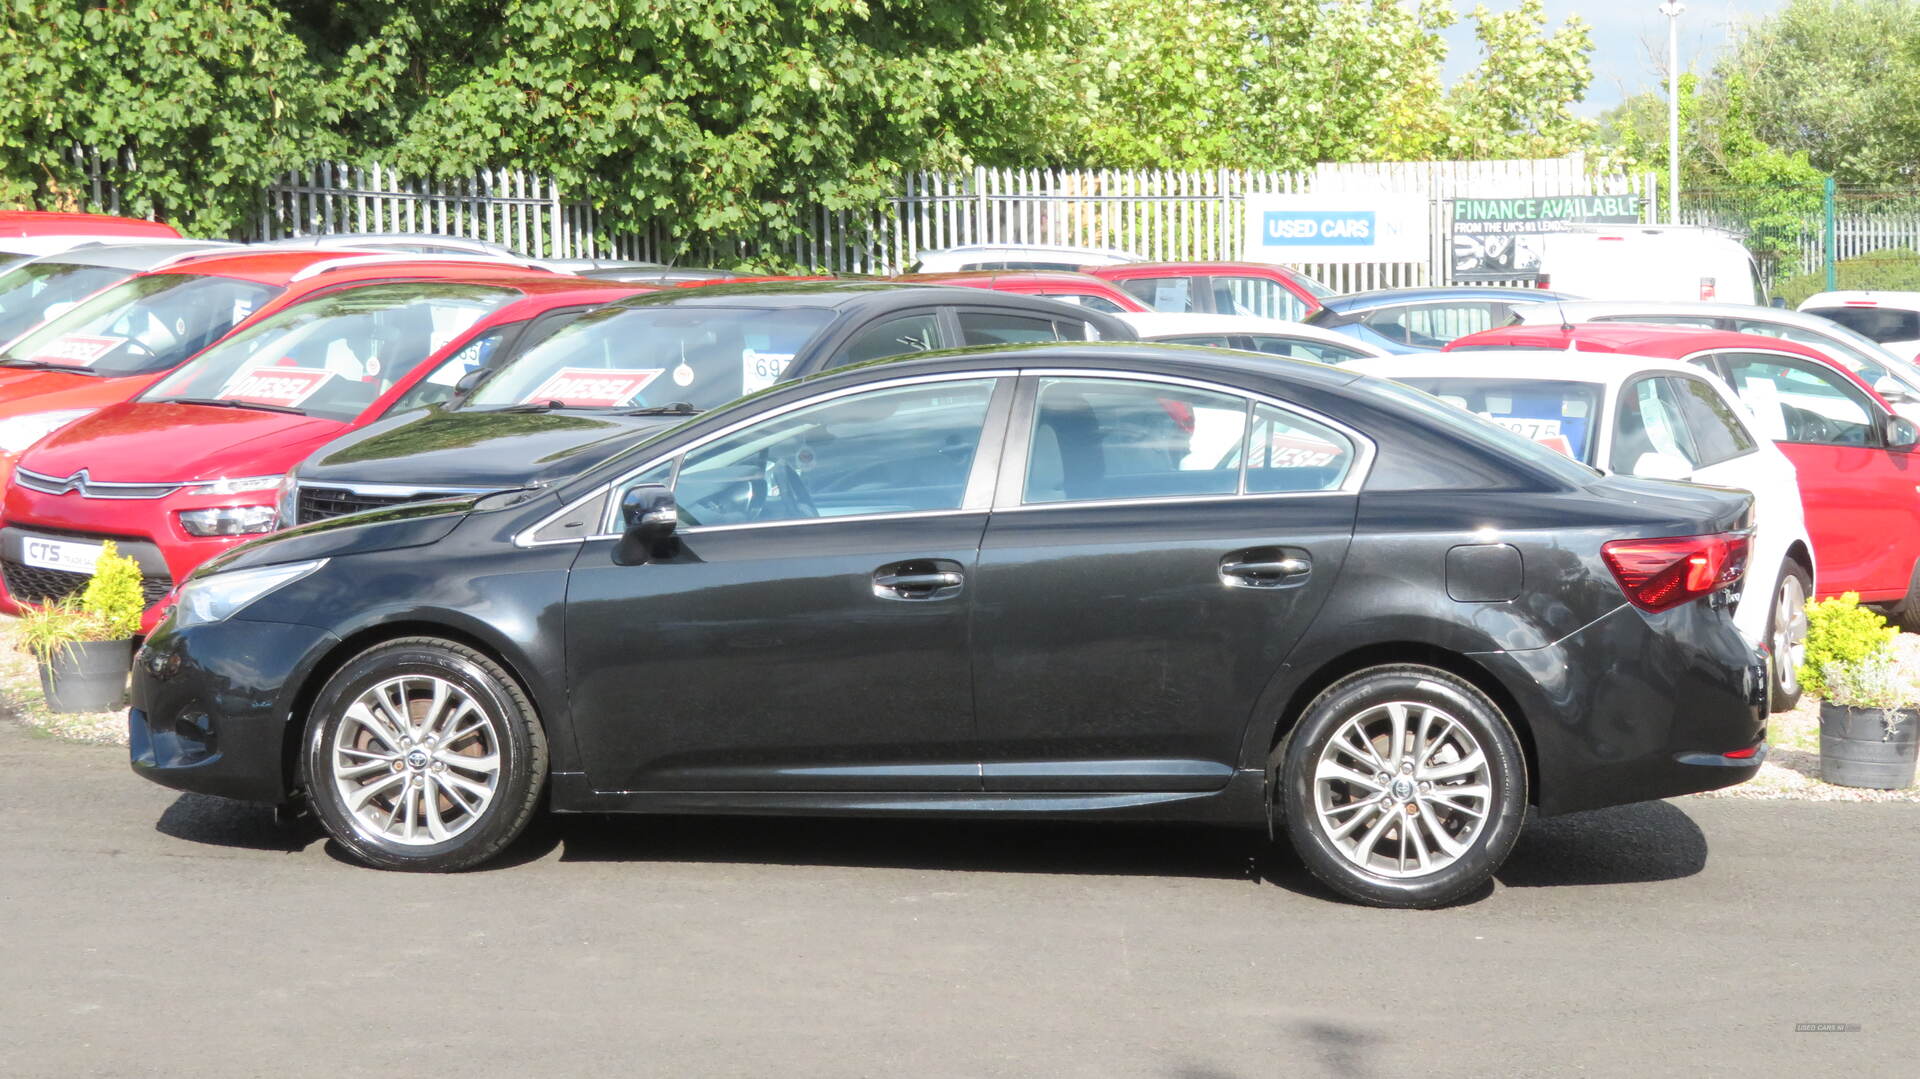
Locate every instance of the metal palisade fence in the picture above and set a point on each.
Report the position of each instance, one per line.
(1155, 213)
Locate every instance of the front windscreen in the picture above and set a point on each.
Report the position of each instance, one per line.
(1557, 415)
(333, 356)
(145, 324)
(37, 291)
(628, 357)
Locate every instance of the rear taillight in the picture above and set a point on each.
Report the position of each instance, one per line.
(1660, 574)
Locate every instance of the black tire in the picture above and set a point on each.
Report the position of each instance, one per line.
(516, 737)
(1488, 843)
(1907, 611)
(1784, 689)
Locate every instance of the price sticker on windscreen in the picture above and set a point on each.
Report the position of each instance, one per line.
(588, 387)
(758, 370)
(76, 350)
(282, 387)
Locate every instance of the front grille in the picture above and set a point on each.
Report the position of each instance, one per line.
(89, 488)
(31, 584)
(320, 503)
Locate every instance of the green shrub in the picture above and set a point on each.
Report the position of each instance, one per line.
(1895, 270)
(1841, 632)
(113, 595)
(49, 629)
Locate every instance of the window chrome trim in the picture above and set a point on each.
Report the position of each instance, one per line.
(524, 538)
(1011, 493)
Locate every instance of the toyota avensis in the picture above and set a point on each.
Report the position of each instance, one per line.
(1115, 580)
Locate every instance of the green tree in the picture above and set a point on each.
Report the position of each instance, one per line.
(208, 99)
(1519, 101)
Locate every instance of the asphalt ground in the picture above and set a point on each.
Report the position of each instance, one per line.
(144, 932)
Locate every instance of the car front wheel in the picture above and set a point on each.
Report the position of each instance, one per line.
(1403, 786)
(423, 754)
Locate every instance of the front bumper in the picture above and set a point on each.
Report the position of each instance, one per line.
(213, 706)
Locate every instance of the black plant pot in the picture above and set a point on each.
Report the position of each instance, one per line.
(1859, 748)
(90, 676)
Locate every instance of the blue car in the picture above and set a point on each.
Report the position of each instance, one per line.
(1404, 320)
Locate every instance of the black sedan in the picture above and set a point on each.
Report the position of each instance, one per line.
(1113, 580)
(602, 378)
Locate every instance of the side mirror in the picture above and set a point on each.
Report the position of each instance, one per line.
(1901, 434)
(651, 516)
(1661, 466)
(650, 512)
(1892, 389)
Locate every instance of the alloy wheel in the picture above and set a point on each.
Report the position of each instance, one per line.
(415, 760)
(1789, 632)
(1403, 789)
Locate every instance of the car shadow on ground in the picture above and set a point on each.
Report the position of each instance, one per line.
(1651, 841)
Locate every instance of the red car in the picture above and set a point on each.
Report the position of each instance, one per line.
(119, 341)
(1855, 456)
(194, 465)
(1221, 288)
(1081, 288)
(25, 233)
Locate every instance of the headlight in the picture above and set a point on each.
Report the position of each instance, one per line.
(218, 596)
(18, 433)
(228, 521)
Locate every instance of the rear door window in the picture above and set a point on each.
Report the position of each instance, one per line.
(1162, 293)
(1000, 328)
(1096, 439)
(898, 335)
(1259, 296)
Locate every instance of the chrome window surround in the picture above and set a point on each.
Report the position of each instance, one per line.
(993, 477)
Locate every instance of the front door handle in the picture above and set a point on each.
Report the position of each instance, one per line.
(1268, 570)
(918, 580)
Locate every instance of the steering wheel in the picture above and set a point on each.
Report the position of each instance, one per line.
(793, 490)
(1810, 426)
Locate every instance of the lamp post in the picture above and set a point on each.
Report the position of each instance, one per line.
(1672, 9)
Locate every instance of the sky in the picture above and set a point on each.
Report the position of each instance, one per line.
(1623, 32)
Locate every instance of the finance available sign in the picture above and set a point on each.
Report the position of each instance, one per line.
(1499, 238)
(1337, 228)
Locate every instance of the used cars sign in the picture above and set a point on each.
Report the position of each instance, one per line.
(1337, 228)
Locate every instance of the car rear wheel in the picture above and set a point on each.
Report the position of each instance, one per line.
(1787, 634)
(423, 754)
(1403, 786)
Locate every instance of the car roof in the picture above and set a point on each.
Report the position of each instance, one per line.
(1388, 297)
(844, 295)
(1051, 249)
(991, 278)
(1582, 310)
(1179, 268)
(1672, 342)
(137, 255)
(1530, 365)
(1185, 360)
(1163, 323)
(282, 266)
(62, 223)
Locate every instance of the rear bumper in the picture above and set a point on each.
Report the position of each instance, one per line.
(213, 706)
(1636, 707)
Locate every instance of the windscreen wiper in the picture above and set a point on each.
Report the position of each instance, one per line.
(678, 408)
(222, 402)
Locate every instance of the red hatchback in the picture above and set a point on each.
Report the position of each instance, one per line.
(1856, 458)
(1221, 288)
(193, 466)
(1081, 288)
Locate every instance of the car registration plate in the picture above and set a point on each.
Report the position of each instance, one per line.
(60, 554)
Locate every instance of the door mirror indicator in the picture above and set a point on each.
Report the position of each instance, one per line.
(1901, 433)
(1661, 466)
(651, 517)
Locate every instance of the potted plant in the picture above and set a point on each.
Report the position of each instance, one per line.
(1869, 726)
(84, 646)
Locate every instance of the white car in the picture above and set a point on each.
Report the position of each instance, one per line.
(1890, 318)
(1894, 377)
(1249, 333)
(1017, 257)
(1640, 416)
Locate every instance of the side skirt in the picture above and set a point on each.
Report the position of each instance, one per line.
(1240, 802)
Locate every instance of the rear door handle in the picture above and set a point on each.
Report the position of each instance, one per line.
(920, 580)
(1240, 572)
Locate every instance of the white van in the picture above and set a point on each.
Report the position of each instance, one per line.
(1890, 318)
(1648, 262)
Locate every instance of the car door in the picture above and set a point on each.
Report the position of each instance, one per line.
(1137, 587)
(1861, 499)
(810, 632)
